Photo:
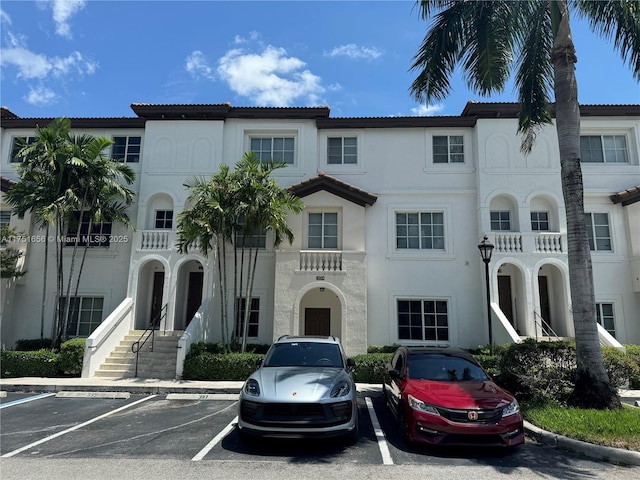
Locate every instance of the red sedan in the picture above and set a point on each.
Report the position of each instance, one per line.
(442, 396)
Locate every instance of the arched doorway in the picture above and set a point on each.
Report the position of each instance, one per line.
(150, 301)
(320, 312)
(511, 296)
(189, 285)
(552, 310)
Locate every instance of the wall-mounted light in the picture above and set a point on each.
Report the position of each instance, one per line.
(322, 289)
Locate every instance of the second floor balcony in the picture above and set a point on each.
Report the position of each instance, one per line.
(528, 242)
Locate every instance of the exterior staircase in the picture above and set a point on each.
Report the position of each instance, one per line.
(159, 363)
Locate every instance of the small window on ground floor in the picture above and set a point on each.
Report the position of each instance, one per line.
(423, 320)
(254, 315)
(85, 315)
(604, 314)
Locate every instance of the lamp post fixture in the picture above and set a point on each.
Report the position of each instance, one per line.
(486, 249)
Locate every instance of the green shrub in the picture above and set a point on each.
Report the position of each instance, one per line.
(39, 363)
(382, 348)
(633, 353)
(71, 356)
(202, 365)
(32, 344)
(370, 368)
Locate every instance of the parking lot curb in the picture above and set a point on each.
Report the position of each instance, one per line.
(619, 456)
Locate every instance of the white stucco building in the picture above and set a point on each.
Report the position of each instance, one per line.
(386, 249)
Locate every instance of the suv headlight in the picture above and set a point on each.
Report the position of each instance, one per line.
(510, 409)
(252, 387)
(340, 389)
(422, 406)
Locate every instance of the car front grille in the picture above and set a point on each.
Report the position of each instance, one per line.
(485, 417)
(307, 415)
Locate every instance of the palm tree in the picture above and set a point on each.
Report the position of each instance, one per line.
(487, 38)
(207, 224)
(41, 178)
(263, 206)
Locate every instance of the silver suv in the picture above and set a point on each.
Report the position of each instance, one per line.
(303, 388)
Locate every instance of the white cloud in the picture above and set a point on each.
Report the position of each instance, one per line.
(269, 78)
(63, 10)
(34, 65)
(426, 110)
(352, 50)
(40, 96)
(198, 66)
(4, 17)
(253, 36)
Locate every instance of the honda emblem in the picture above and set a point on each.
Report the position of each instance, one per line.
(473, 416)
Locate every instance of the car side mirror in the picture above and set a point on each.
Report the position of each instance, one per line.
(258, 363)
(395, 374)
(351, 363)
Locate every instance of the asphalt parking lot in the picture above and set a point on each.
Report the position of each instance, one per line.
(202, 428)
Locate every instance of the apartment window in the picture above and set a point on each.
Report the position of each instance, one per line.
(500, 221)
(17, 144)
(540, 221)
(323, 230)
(252, 238)
(273, 148)
(420, 230)
(254, 315)
(423, 320)
(604, 149)
(85, 314)
(164, 219)
(598, 231)
(5, 218)
(342, 150)
(604, 314)
(126, 149)
(98, 236)
(448, 149)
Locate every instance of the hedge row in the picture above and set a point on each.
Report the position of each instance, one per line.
(44, 362)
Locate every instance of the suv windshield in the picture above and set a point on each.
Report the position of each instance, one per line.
(304, 354)
(444, 368)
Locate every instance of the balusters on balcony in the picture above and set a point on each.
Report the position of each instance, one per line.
(548, 243)
(508, 242)
(320, 260)
(528, 242)
(154, 240)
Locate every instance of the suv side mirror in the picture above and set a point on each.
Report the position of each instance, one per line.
(351, 363)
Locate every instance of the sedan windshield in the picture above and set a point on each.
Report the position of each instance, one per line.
(304, 354)
(444, 368)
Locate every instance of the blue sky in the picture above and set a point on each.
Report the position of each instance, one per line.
(79, 58)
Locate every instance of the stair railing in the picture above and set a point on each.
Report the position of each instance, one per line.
(149, 333)
(545, 327)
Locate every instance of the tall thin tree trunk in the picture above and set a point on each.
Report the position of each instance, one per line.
(67, 303)
(247, 309)
(44, 281)
(592, 386)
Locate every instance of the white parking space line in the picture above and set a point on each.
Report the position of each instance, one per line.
(63, 432)
(217, 439)
(382, 442)
(25, 400)
(110, 395)
(202, 396)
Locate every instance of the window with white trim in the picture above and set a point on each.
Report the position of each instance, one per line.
(322, 230)
(605, 317)
(164, 219)
(98, 236)
(423, 320)
(279, 149)
(448, 149)
(254, 317)
(85, 314)
(420, 230)
(500, 220)
(17, 143)
(126, 149)
(540, 221)
(253, 238)
(604, 149)
(342, 150)
(598, 231)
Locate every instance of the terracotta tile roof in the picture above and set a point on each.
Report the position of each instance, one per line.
(627, 197)
(332, 185)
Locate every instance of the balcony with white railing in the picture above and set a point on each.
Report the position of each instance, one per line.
(320, 261)
(158, 241)
(528, 242)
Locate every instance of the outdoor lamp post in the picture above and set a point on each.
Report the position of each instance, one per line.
(486, 248)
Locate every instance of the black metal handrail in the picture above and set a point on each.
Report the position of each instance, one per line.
(154, 325)
(544, 326)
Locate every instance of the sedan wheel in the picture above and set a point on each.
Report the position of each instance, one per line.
(403, 429)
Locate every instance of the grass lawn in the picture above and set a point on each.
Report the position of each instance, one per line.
(617, 428)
